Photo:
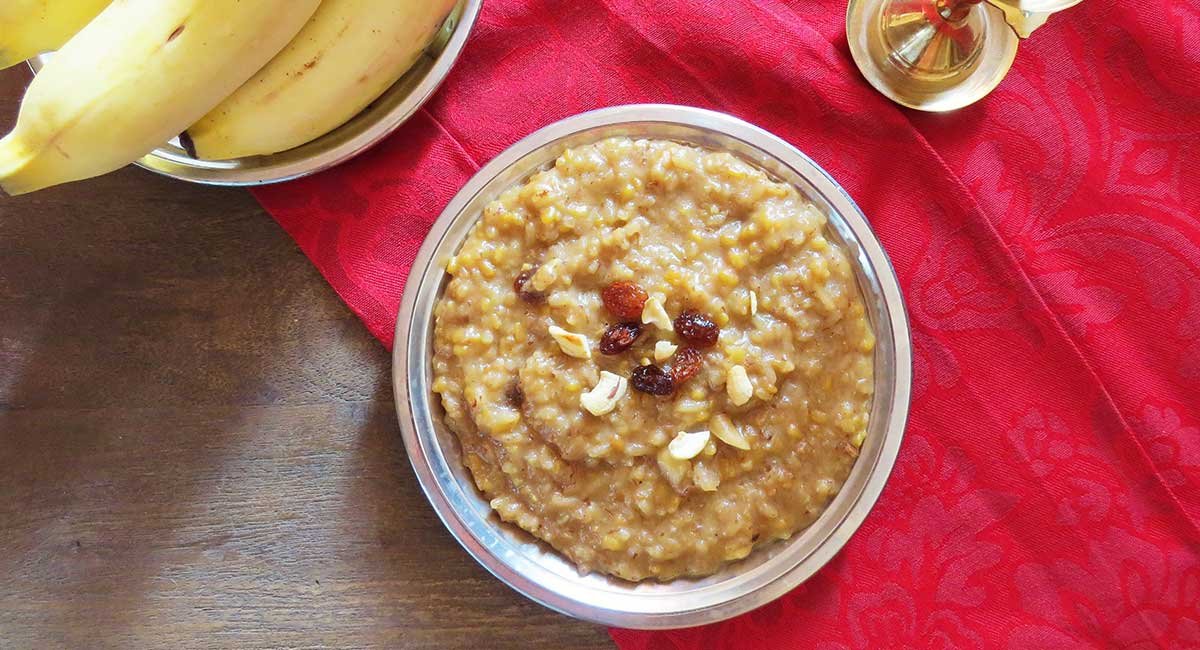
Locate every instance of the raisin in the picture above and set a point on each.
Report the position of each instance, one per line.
(514, 395)
(521, 279)
(527, 295)
(652, 379)
(686, 364)
(624, 300)
(619, 337)
(696, 328)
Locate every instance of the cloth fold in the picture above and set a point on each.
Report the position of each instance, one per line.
(1048, 491)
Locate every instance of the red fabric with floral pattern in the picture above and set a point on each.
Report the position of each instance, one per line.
(1048, 492)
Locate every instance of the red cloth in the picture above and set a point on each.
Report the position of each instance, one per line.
(1048, 492)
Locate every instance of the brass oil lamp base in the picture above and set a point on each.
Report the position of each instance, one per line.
(940, 55)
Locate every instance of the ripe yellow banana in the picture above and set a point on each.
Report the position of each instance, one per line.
(347, 55)
(30, 27)
(136, 76)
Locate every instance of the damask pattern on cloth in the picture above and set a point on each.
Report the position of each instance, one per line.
(1047, 494)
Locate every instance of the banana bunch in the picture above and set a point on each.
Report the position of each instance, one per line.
(28, 27)
(344, 58)
(233, 78)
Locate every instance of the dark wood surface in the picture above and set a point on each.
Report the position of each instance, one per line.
(198, 446)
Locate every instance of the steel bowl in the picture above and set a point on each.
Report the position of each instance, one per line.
(373, 124)
(532, 567)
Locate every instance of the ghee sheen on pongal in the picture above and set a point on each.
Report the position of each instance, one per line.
(784, 392)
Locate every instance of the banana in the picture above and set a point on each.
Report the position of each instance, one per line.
(347, 55)
(30, 27)
(136, 76)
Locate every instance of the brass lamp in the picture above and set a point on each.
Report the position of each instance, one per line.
(939, 55)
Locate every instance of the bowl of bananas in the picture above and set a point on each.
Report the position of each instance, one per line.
(220, 92)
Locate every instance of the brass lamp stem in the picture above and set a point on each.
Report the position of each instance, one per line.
(954, 10)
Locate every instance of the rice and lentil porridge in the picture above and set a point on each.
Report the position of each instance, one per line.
(653, 358)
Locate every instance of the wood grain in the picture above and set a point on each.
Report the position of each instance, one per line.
(198, 446)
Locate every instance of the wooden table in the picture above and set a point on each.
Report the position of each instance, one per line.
(198, 446)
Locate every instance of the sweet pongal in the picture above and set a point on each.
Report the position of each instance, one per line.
(654, 358)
